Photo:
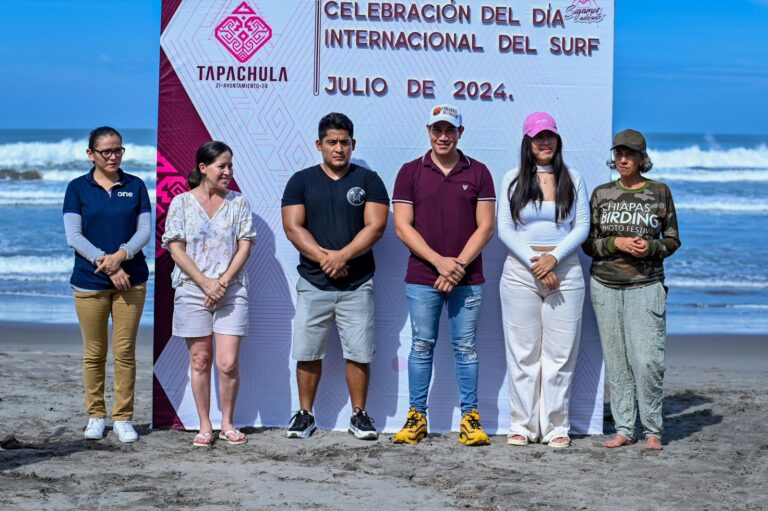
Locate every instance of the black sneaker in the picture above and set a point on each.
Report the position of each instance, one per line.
(302, 425)
(361, 426)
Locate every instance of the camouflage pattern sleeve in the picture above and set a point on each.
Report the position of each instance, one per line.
(596, 246)
(670, 236)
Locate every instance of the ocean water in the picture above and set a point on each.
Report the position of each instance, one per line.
(718, 280)
(35, 261)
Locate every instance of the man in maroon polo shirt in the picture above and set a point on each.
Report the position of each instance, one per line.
(444, 206)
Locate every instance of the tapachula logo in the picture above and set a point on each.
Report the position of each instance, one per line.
(584, 11)
(243, 32)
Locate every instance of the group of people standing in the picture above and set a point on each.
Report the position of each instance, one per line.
(444, 210)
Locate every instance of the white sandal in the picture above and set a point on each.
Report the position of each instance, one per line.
(203, 440)
(517, 439)
(239, 437)
(560, 445)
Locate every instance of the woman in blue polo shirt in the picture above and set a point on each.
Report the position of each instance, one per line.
(107, 217)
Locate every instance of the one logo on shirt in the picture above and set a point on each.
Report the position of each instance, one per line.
(125, 194)
(465, 187)
(356, 196)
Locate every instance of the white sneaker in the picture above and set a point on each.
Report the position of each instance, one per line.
(124, 431)
(95, 429)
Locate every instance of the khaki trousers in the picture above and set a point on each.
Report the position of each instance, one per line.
(93, 311)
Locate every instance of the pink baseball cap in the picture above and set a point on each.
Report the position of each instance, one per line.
(538, 122)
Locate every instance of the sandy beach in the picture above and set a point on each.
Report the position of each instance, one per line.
(715, 454)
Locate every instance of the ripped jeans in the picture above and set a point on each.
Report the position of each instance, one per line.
(425, 305)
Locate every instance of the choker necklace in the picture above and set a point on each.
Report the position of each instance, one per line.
(545, 170)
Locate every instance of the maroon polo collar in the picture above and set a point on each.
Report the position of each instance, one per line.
(462, 164)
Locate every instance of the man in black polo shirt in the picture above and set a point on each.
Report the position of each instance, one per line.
(444, 213)
(334, 213)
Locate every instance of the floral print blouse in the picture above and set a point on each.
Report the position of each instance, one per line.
(211, 242)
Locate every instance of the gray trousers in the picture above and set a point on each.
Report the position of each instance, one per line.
(633, 331)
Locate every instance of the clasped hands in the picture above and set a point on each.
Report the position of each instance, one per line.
(109, 264)
(451, 270)
(637, 246)
(334, 263)
(542, 269)
(214, 290)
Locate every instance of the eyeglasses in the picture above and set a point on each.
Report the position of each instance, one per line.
(107, 153)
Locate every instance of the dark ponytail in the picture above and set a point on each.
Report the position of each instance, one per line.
(525, 187)
(101, 131)
(206, 154)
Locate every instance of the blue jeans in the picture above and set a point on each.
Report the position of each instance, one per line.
(425, 305)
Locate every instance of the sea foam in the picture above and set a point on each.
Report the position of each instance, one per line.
(716, 283)
(51, 154)
(709, 176)
(723, 205)
(65, 176)
(698, 158)
(39, 267)
(37, 197)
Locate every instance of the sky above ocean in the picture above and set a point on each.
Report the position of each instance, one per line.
(680, 67)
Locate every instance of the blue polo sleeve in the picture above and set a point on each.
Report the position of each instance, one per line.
(293, 194)
(72, 201)
(375, 190)
(73, 224)
(144, 205)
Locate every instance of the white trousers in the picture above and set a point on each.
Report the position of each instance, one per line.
(542, 330)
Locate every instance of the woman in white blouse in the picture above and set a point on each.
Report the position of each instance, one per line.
(208, 232)
(543, 221)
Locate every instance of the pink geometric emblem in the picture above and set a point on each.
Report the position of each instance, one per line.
(243, 33)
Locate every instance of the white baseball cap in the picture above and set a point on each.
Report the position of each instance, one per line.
(447, 113)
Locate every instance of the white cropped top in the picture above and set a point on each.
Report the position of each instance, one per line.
(539, 227)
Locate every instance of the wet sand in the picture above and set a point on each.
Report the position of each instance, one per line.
(715, 448)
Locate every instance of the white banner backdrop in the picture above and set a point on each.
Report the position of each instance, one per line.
(262, 73)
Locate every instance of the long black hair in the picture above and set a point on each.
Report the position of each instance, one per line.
(525, 187)
(206, 154)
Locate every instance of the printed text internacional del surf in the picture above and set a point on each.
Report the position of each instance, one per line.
(397, 40)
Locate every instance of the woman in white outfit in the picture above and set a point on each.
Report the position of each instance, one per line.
(543, 221)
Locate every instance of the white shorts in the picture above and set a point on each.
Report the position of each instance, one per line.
(191, 319)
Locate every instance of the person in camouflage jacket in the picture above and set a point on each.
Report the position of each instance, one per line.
(633, 229)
